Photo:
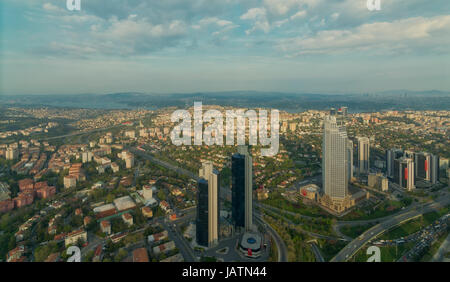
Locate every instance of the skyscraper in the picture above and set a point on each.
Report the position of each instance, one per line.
(241, 176)
(434, 169)
(350, 159)
(208, 205)
(363, 155)
(391, 155)
(426, 167)
(404, 173)
(201, 222)
(335, 160)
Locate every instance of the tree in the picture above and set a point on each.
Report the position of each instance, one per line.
(109, 198)
(121, 255)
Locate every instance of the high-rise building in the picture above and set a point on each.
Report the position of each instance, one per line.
(435, 169)
(207, 227)
(363, 155)
(242, 183)
(391, 155)
(334, 160)
(344, 111)
(201, 222)
(426, 167)
(350, 159)
(422, 162)
(404, 173)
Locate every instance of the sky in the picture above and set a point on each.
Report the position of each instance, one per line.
(167, 46)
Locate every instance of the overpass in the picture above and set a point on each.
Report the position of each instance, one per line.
(354, 246)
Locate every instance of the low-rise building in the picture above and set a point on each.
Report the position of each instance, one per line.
(140, 255)
(127, 218)
(70, 181)
(76, 236)
(105, 226)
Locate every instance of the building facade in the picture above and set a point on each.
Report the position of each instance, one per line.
(242, 192)
(208, 206)
(363, 155)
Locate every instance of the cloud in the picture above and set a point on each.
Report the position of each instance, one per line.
(214, 20)
(259, 16)
(50, 7)
(299, 14)
(406, 35)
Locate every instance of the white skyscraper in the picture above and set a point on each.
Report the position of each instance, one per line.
(350, 159)
(208, 173)
(335, 160)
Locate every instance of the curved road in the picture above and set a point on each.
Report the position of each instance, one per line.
(394, 220)
(281, 246)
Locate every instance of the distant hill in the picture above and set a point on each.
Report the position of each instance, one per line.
(387, 100)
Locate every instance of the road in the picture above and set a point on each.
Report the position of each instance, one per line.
(317, 253)
(312, 234)
(443, 249)
(180, 242)
(163, 163)
(394, 220)
(281, 246)
(79, 133)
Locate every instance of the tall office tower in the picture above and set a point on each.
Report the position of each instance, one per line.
(208, 206)
(350, 159)
(404, 173)
(332, 111)
(434, 169)
(241, 181)
(422, 165)
(344, 111)
(391, 155)
(334, 160)
(363, 154)
(201, 223)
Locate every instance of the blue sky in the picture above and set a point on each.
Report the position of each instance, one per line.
(163, 46)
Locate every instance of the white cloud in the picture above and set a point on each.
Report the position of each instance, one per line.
(406, 35)
(282, 7)
(214, 20)
(259, 16)
(254, 13)
(51, 8)
(299, 14)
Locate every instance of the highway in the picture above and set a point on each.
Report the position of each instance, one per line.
(163, 163)
(386, 224)
(317, 254)
(281, 246)
(312, 234)
(78, 133)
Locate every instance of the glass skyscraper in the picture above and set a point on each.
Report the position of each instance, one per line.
(241, 181)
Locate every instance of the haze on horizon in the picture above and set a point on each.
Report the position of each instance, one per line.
(223, 45)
